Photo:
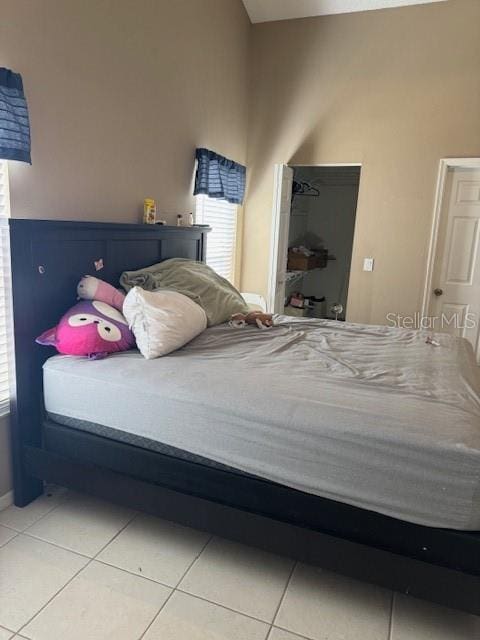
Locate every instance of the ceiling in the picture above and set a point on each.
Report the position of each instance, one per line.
(269, 10)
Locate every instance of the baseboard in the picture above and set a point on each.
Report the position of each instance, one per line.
(6, 500)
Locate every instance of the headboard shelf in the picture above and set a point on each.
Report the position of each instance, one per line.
(48, 259)
(108, 226)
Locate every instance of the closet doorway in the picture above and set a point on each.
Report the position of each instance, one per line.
(313, 229)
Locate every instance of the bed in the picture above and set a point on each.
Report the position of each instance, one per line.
(360, 414)
(311, 440)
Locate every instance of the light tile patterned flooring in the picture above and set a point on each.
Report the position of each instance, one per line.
(76, 568)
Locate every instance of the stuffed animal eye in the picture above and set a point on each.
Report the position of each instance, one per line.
(80, 319)
(109, 332)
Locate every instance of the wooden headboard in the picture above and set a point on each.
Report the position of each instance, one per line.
(48, 260)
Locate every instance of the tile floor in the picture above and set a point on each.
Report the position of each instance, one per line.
(76, 568)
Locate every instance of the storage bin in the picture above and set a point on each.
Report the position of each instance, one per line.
(299, 262)
(318, 308)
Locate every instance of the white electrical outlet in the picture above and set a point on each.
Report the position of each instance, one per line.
(368, 264)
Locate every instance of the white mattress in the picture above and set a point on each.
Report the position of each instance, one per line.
(370, 416)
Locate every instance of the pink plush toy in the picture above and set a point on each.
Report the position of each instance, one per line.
(90, 328)
(91, 288)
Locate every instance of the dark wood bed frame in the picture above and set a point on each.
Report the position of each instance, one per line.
(48, 259)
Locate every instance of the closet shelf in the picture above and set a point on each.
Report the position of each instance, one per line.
(294, 276)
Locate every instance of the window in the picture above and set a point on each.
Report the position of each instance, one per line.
(222, 217)
(5, 289)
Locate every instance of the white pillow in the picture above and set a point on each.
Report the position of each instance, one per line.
(162, 321)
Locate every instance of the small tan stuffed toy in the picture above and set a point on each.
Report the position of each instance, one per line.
(262, 320)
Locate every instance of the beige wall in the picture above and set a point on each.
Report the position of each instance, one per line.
(395, 90)
(120, 93)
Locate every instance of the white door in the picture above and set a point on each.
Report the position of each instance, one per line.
(455, 291)
(282, 200)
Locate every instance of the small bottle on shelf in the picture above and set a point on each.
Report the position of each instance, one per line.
(149, 211)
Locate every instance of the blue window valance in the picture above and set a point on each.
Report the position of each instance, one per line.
(14, 125)
(219, 177)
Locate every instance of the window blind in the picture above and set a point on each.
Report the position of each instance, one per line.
(5, 290)
(221, 216)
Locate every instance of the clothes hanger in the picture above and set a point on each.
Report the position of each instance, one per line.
(304, 189)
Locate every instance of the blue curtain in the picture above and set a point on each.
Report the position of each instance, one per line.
(14, 125)
(219, 177)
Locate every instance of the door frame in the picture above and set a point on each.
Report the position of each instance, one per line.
(274, 232)
(274, 235)
(444, 165)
